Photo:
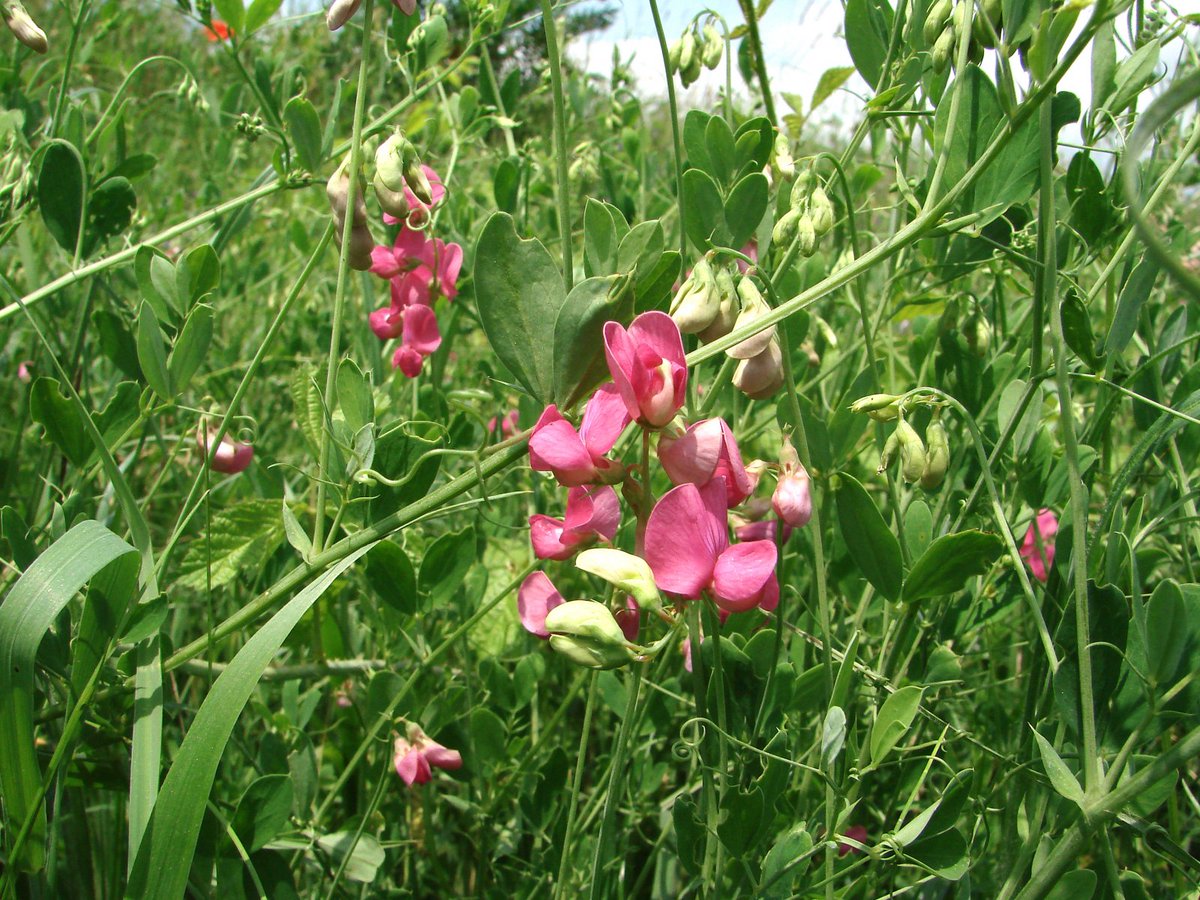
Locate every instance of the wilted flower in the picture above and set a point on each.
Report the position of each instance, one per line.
(231, 457)
(416, 755)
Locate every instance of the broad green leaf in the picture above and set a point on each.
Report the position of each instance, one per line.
(354, 395)
(753, 141)
(110, 211)
(240, 539)
(232, 12)
(446, 564)
(1061, 778)
(1077, 330)
(1167, 631)
(793, 844)
(152, 353)
(117, 342)
(872, 545)
(979, 115)
(25, 615)
(1076, 885)
(745, 207)
(55, 412)
(949, 562)
(156, 282)
(868, 27)
(1091, 210)
(198, 274)
(1134, 294)
(830, 81)
(918, 527)
(718, 140)
(401, 452)
(833, 736)
(944, 854)
(519, 292)
(134, 166)
(366, 854)
(390, 574)
(506, 182)
(296, 536)
(604, 228)
(742, 818)
(489, 736)
(191, 347)
(579, 360)
(263, 811)
(61, 189)
(703, 211)
(695, 126)
(894, 719)
(164, 857)
(304, 128)
(259, 13)
(307, 407)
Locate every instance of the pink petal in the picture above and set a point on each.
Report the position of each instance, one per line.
(411, 289)
(547, 537)
(412, 765)
(556, 447)
(741, 574)
(535, 598)
(442, 757)
(387, 323)
(592, 510)
(421, 330)
(629, 618)
(621, 355)
(384, 262)
(659, 332)
(692, 458)
(410, 245)
(604, 418)
(408, 361)
(685, 535)
(450, 260)
(770, 595)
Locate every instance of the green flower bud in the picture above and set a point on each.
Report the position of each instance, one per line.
(711, 46)
(394, 203)
(942, 49)
(912, 452)
(390, 159)
(890, 446)
(785, 165)
(673, 54)
(754, 307)
(880, 407)
(978, 332)
(807, 234)
(727, 308)
(760, 376)
(587, 634)
(623, 571)
(822, 211)
(697, 302)
(24, 29)
(785, 228)
(935, 20)
(937, 455)
(801, 188)
(688, 54)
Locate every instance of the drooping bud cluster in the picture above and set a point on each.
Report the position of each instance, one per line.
(924, 461)
(697, 46)
(337, 189)
(809, 218)
(399, 173)
(24, 29)
(946, 20)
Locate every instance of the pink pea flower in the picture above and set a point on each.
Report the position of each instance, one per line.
(593, 513)
(418, 209)
(406, 253)
(1045, 525)
(416, 265)
(687, 547)
(25, 371)
(231, 457)
(508, 424)
(647, 365)
(792, 499)
(420, 338)
(387, 322)
(706, 450)
(417, 755)
(535, 598)
(750, 250)
(574, 457)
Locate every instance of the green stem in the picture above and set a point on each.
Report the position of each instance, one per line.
(677, 141)
(562, 178)
(616, 782)
(564, 862)
(760, 63)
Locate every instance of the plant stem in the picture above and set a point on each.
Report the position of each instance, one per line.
(677, 141)
(616, 782)
(760, 64)
(564, 862)
(562, 178)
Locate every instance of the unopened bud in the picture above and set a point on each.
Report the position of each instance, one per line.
(978, 332)
(390, 159)
(340, 12)
(801, 188)
(727, 308)
(792, 500)
(880, 407)
(822, 212)
(785, 228)
(417, 180)
(624, 571)
(943, 47)
(587, 634)
(785, 165)
(754, 307)
(807, 235)
(890, 446)
(24, 29)
(936, 19)
(689, 59)
(912, 452)
(394, 203)
(673, 54)
(760, 376)
(711, 45)
(698, 300)
(937, 455)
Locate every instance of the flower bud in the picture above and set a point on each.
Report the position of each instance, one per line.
(807, 234)
(912, 452)
(394, 203)
(937, 455)
(624, 571)
(711, 45)
(417, 180)
(822, 212)
(978, 332)
(785, 228)
(792, 500)
(698, 302)
(24, 29)
(340, 12)
(754, 307)
(727, 308)
(943, 47)
(587, 633)
(936, 19)
(673, 54)
(390, 159)
(688, 54)
(801, 188)
(888, 453)
(880, 407)
(760, 376)
(785, 165)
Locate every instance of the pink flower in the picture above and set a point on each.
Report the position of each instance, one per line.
(630, 619)
(508, 424)
(687, 547)
(535, 598)
(420, 338)
(387, 322)
(418, 210)
(577, 458)
(646, 362)
(231, 457)
(592, 512)
(416, 265)
(792, 499)
(25, 371)
(855, 833)
(707, 450)
(1046, 526)
(418, 754)
(750, 250)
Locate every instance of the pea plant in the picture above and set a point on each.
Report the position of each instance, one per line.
(431, 468)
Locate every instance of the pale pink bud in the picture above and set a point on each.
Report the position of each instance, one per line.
(792, 499)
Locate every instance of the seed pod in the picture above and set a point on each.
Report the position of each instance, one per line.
(912, 452)
(822, 212)
(340, 12)
(942, 50)
(937, 455)
(727, 308)
(807, 235)
(24, 29)
(711, 45)
(754, 307)
(935, 20)
(760, 376)
(785, 228)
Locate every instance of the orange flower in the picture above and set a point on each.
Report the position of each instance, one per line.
(218, 32)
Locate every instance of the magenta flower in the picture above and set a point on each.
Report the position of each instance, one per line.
(592, 513)
(629, 618)
(416, 756)
(25, 371)
(647, 365)
(420, 338)
(535, 598)
(387, 322)
(687, 547)
(707, 450)
(855, 833)
(508, 424)
(231, 457)
(792, 499)
(574, 457)
(1046, 525)
(417, 265)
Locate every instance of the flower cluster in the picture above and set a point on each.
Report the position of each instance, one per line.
(683, 546)
(419, 269)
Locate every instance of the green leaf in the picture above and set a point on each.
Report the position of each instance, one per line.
(259, 13)
(704, 212)
(506, 183)
(390, 575)
(742, 813)
(872, 545)
(894, 719)
(296, 536)
(488, 735)
(27, 612)
(718, 141)
(233, 13)
(156, 282)
(830, 81)
(944, 854)
(61, 189)
(366, 854)
(134, 166)
(579, 360)
(1077, 329)
(868, 29)
(1167, 631)
(239, 540)
(949, 562)
(446, 564)
(304, 128)
(354, 395)
(110, 210)
(1076, 885)
(190, 347)
(695, 126)
(745, 207)
(604, 228)
(160, 869)
(1134, 294)
(307, 407)
(55, 412)
(1061, 778)
(198, 274)
(117, 342)
(519, 292)
(788, 847)
(833, 736)
(918, 527)
(263, 811)
(152, 353)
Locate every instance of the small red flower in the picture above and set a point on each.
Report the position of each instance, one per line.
(219, 31)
